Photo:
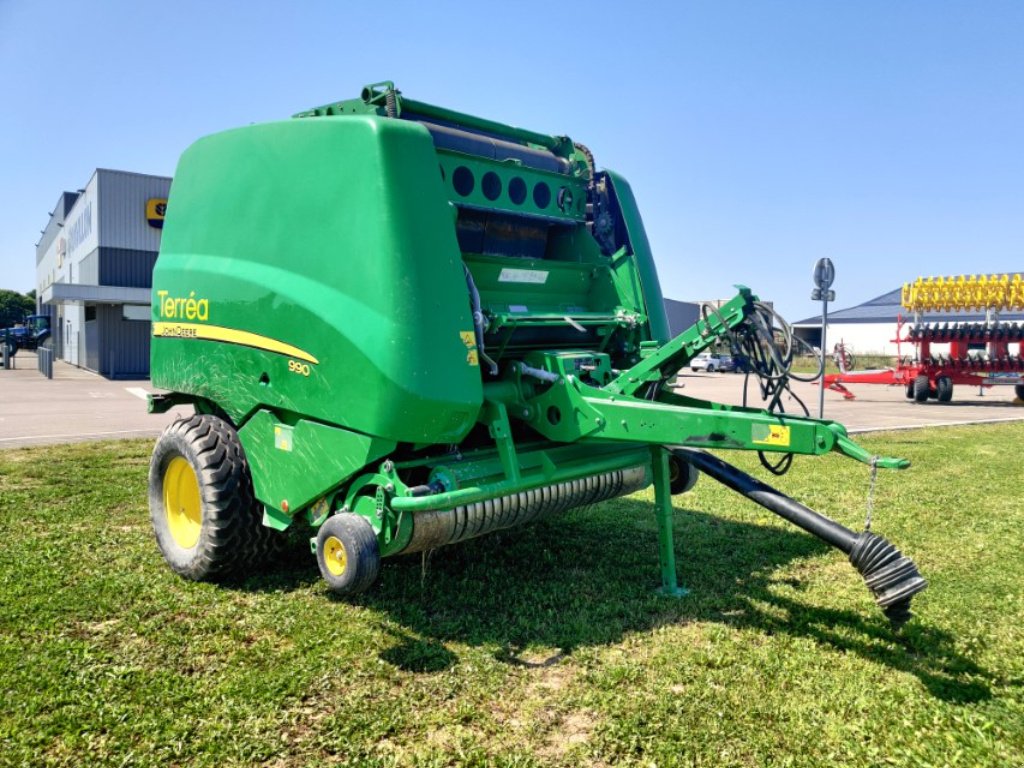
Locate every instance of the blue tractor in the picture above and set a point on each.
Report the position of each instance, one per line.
(26, 335)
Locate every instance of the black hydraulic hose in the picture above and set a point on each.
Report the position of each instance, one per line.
(829, 531)
(891, 577)
(478, 320)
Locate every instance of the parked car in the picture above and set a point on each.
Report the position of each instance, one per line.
(712, 362)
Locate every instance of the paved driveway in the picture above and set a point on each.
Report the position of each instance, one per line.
(78, 405)
(74, 405)
(875, 407)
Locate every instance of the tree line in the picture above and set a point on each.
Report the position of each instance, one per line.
(14, 306)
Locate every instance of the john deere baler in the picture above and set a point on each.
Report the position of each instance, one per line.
(409, 326)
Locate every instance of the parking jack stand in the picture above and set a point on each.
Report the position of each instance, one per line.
(663, 508)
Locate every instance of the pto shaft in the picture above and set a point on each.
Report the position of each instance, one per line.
(891, 577)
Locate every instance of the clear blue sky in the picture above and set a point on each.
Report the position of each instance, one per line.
(758, 136)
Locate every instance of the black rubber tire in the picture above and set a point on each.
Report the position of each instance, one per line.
(1018, 390)
(232, 538)
(910, 390)
(921, 389)
(682, 475)
(711, 369)
(361, 553)
(943, 389)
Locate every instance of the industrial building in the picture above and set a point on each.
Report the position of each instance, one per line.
(94, 271)
(871, 328)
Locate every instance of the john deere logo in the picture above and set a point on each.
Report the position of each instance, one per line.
(156, 207)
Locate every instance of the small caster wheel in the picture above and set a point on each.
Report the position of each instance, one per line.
(347, 553)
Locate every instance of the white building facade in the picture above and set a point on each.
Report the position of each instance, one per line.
(94, 271)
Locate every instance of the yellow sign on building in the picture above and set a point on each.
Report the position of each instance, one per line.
(156, 207)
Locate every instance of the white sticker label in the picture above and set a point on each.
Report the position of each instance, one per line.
(538, 276)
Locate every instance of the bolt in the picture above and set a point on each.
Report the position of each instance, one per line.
(387, 466)
(390, 487)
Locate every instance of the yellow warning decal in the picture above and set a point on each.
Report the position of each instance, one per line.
(770, 434)
(469, 339)
(283, 437)
(230, 336)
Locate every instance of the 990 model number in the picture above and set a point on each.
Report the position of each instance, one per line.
(300, 368)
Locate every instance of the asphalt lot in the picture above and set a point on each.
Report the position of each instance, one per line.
(77, 405)
(875, 408)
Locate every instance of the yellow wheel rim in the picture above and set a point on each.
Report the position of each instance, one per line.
(182, 503)
(335, 557)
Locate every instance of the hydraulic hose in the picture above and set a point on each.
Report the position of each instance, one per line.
(479, 322)
(891, 577)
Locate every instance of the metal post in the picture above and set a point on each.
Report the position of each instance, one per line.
(824, 275)
(663, 509)
(824, 355)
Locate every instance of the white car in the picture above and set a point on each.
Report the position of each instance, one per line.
(711, 362)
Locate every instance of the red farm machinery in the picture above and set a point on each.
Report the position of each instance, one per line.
(952, 347)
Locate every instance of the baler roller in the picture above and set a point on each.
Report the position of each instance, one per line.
(437, 528)
(891, 577)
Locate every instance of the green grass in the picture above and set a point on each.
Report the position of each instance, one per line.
(861, 363)
(541, 646)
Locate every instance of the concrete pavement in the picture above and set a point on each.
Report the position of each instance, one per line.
(75, 405)
(875, 408)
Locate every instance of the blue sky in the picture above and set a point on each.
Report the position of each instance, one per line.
(757, 136)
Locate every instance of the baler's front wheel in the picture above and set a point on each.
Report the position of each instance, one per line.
(201, 502)
(347, 553)
(682, 475)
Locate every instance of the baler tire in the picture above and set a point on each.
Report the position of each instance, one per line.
(217, 529)
(1018, 390)
(943, 389)
(921, 389)
(347, 553)
(910, 391)
(682, 475)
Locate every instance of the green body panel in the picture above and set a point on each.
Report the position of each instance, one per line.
(333, 236)
(295, 464)
(645, 267)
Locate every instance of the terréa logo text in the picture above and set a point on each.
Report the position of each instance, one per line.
(178, 308)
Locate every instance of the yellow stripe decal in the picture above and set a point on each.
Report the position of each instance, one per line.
(231, 336)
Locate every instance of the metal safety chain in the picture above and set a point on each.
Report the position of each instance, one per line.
(871, 493)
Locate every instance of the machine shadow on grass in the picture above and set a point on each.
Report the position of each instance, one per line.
(589, 577)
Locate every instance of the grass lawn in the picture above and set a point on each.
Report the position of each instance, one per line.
(545, 645)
